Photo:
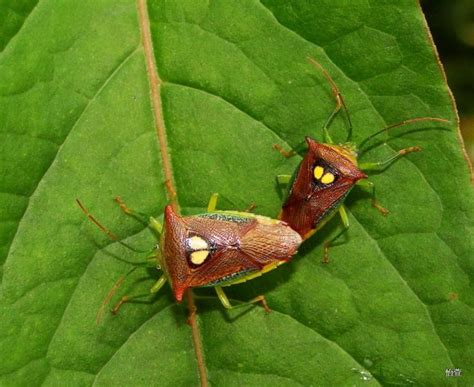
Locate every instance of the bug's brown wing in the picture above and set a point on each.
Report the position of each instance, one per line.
(224, 265)
(250, 246)
(268, 242)
(310, 201)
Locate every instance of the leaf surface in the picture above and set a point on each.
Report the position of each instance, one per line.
(395, 304)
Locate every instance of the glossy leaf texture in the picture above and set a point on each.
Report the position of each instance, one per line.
(395, 304)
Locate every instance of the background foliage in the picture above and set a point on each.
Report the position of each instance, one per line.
(394, 306)
(452, 25)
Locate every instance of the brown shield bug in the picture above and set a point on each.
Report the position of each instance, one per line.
(213, 249)
(327, 174)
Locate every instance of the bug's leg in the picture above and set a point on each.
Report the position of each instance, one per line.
(375, 203)
(154, 289)
(143, 218)
(282, 180)
(386, 163)
(326, 137)
(339, 104)
(250, 208)
(110, 294)
(150, 261)
(283, 152)
(345, 223)
(211, 206)
(299, 148)
(106, 231)
(380, 165)
(226, 303)
(155, 225)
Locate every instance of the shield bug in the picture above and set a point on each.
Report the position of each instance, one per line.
(327, 174)
(214, 249)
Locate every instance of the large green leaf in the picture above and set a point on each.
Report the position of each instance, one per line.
(395, 304)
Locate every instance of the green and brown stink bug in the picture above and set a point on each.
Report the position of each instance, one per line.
(215, 249)
(327, 174)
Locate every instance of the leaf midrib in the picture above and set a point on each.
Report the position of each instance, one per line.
(155, 95)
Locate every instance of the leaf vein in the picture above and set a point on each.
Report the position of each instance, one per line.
(60, 146)
(325, 338)
(27, 17)
(428, 314)
(128, 339)
(202, 90)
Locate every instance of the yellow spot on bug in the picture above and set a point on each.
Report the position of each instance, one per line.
(328, 178)
(198, 257)
(197, 243)
(318, 172)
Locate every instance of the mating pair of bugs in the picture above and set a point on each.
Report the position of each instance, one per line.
(223, 248)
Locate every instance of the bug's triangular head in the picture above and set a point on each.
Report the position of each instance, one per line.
(330, 155)
(173, 255)
(347, 150)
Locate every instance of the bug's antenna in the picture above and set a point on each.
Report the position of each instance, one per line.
(406, 122)
(105, 230)
(337, 95)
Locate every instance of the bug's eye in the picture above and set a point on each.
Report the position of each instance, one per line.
(323, 175)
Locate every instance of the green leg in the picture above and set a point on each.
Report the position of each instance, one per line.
(155, 225)
(283, 152)
(300, 147)
(339, 104)
(250, 207)
(143, 218)
(211, 207)
(384, 164)
(326, 137)
(158, 285)
(282, 180)
(137, 215)
(226, 303)
(106, 231)
(345, 223)
(112, 292)
(375, 203)
(154, 289)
